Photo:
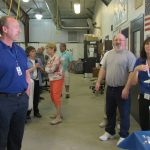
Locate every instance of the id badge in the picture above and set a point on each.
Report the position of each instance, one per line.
(147, 81)
(146, 96)
(19, 71)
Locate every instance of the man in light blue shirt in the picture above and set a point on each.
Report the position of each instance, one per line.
(67, 62)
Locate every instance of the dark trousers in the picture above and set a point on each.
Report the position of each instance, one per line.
(114, 100)
(36, 97)
(144, 113)
(13, 111)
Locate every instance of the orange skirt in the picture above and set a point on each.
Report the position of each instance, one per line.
(56, 88)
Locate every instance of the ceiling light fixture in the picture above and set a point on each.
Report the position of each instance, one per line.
(77, 8)
(25, 1)
(38, 16)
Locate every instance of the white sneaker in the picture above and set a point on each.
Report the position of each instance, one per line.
(106, 136)
(103, 123)
(120, 140)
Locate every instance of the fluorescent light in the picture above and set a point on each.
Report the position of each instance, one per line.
(77, 8)
(25, 1)
(38, 16)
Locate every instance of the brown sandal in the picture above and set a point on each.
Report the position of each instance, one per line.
(54, 116)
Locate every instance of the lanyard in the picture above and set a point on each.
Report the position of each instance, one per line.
(148, 72)
(14, 55)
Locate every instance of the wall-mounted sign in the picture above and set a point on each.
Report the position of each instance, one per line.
(120, 12)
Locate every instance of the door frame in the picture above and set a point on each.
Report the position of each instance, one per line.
(136, 25)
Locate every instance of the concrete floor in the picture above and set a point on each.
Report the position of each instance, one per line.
(79, 129)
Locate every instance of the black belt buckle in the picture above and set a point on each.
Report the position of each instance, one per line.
(19, 94)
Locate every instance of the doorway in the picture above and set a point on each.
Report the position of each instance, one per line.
(136, 41)
(137, 35)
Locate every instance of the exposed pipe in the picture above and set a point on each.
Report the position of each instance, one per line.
(48, 8)
(52, 4)
(75, 28)
(36, 4)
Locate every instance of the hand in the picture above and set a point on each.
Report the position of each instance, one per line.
(37, 65)
(47, 69)
(142, 68)
(97, 86)
(125, 94)
(42, 69)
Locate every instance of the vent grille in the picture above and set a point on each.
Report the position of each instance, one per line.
(72, 36)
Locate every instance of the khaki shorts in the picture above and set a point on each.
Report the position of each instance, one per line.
(67, 78)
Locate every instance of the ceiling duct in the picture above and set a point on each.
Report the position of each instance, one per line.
(74, 24)
(54, 9)
(75, 28)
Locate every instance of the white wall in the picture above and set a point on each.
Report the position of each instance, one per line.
(77, 49)
(21, 36)
(45, 31)
(104, 16)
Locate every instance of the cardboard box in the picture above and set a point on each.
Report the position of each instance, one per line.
(90, 37)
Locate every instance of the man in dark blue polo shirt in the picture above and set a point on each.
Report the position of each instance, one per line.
(13, 99)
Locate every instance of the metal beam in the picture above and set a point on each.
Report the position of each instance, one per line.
(91, 11)
(53, 5)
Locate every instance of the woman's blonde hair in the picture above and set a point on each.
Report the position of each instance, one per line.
(51, 45)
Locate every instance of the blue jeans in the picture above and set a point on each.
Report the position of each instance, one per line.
(13, 110)
(114, 100)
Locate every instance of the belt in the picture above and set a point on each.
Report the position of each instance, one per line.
(12, 94)
(116, 87)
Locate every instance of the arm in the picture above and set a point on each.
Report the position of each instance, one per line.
(101, 76)
(136, 72)
(28, 81)
(133, 79)
(131, 64)
(125, 91)
(33, 68)
(102, 72)
(40, 67)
